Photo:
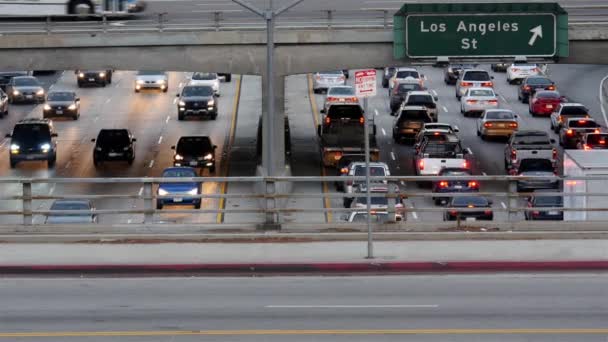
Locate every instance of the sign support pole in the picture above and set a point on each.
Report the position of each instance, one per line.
(370, 242)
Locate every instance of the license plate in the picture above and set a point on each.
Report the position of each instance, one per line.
(114, 154)
(91, 80)
(501, 125)
(177, 199)
(457, 186)
(29, 96)
(549, 106)
(29, 157)
(58, 112)
(553, 212)
(470, 219)
(193, 163)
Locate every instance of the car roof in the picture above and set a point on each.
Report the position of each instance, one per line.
(373, 164)
(450, 138)
(407, 69)
(33, 121)
(179, 168)
(481, 88)
(419, 92)
(475, 70)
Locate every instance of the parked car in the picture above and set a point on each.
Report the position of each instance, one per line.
(62, 104)
(530, 85)
(544, 102)
(146, 79)
(325, 80)
(114, 145)
(197, 100)
(86, 212)
(93, 77)
(195, 151)
(497, 123)
(545, 207)
(179, 193)
(23, 89)
(33, 139)
(477, 100)
(483, 205)
(206, 79)
(3, 104)
(450, 186)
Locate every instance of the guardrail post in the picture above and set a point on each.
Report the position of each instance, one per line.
(104, 22)
(161, 18)
(330, 16)
(217, 16)
(27, 203)
(48, 25)
(271, 217)
(385, 12)
(512, 201)
(392, 201)
(148, 202)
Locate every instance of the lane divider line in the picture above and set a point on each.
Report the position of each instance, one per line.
(168, 118)
(160, 140)
(228, 147)
(151, 163)
(383, 131)
(393, 155)
(315, 118)
(445, 109)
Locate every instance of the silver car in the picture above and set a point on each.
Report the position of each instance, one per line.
(25, 89)
(322, 81)
(3, 104)
(206, 79)
(151, 80)
(473, 78)
(339, 95)
(84, 212)
(477, 100)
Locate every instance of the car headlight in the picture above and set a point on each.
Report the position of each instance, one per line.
(163, 192)
(98, 149)
(126, 148)
(182, 103)
(47, 107)
(216, 85)
(193, 192)
(45, 147)
(81, 75)
(211, 103)
(178, 157)
(140, 81)
(102, 74)
(40, 92)
(16, 92)
(14, 147)
(71, 107)
(208, 156)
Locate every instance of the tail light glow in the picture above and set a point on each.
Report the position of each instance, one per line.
(551, 87)
(487, 84)
(443, 184)
(586, 147)
(513, 125)
(344, 170)
(487, 212)
(488, 124)
(527, 87)
(514, 154)
(473, 184)
(421, 164)
(362, 120)
(327, 120)
(466, 84)
(471, 101)
(493, 101)
(569, 132)
(535, 212)
(554, 154)
(465, 164)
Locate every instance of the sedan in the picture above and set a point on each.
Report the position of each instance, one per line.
(179, 193)
(544, 207)
(151, 80)
(449, 186)
(544, 102)
(531, 85)
(477, 100)
(482, 205)
(3, 104)
(84, 212)
(25, 89)
(339, 94)
(62, 104)
(497, 123)
(325, 80)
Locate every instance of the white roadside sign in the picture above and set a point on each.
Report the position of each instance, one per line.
(365, 83)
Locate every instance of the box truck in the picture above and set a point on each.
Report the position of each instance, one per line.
(581, 163)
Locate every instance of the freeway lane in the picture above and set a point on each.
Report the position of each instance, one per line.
(353, 308)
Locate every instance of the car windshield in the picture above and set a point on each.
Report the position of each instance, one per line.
(71, 205)
(538, 81)
(476, 76)
(549, 201)
(406, 87)
(373, 171)
(204, 76)
(597, 139)
(532, 139)
(331, 73)
(193, 145)
(113, 137)
(197, 91)
(382, 201)
(61, 96)
(500, 115)
(179, 173)
(420, 99)
(481, 92)
(26, 82)
(574, 110)
(377, 218)
(353, 112)
(548, 95)
(31, 134)
(341, 91)
(582, 124)
(151, 73)
(414, 115)
(407, 73)
(466, 201)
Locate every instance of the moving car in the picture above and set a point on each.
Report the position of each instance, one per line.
(62, 104)
(499, 67)
(477, 100)
(435, 134)
(325, 80)
(482, 204)
(544, 102)
(151, 80)
(449, 186)
(136, 6)
(473, 78)
(195, 151)
(545, 207)
(33, 139)
(114, 145)
(425, 99)
(377, 217)
(25, 89)
(531, 85)
(5, 77)
(409, 122)
(93, 77)
(431, 156)
(402, 74)
(497, 123)
(452, 72)
(3, 104)
(339, 94)
(529, 144)
(571, 132)
(400, 91)
(206, 79)
(519, 70)
(379, 200)
(566, 111)
(84, 207)
(179, 193)
(535, 167)
(197, 101)
(593, 141)
(376, 169)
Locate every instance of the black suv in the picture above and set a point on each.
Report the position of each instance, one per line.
(197, 100)
(195, 151)
(33, 139)
(94, 77)
(114, 144)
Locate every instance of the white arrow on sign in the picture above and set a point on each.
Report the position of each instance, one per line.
(537, 32)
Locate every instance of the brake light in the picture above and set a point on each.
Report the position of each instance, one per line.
(554, 153)
(436, 133)
(352, 99)
(471, 101)
(487, 84)
(470, 206)
(338, 155)
(330, 99)
(473, 184)
(344, 170)
(487, 212)
(493, 101)
(527, 87)
(569, 132)
(535, 212)
(514, 69)
(453, 212)
(586, 147)
(421, 164)
(443, 184)
(362, 120)
(513, 125)
(602, 142)
(560, 119)
(581, 121)
(551, 87)
(465, 164)
(327, 120)
(514, 154)
(596, 131)
(488, 124)
(466, 84)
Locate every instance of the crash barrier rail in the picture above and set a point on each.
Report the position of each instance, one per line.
(272, 199)
(371, 18)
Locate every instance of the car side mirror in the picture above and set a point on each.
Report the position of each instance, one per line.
(491, 77)
(436, 98)
(456, 129)
(134, 139)
(173, 147)
(92, 140)
(552, 141)
(54, 135)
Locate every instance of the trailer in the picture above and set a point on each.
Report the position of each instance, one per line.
(581, 163)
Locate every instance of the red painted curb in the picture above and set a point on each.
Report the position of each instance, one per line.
(303, 268)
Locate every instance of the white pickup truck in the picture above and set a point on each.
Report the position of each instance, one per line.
(432, 156)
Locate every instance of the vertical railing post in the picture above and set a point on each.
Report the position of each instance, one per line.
(217, 18)
(27, 203)
(48, 25)
(385, 12)
(271, 216)
(161, 18)
(392, 202)
(330, 16)
(104, 22)
(512, 200)
(148, 202)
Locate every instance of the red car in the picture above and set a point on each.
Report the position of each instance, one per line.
(544, 102)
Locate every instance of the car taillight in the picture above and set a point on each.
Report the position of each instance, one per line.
(421, 164)
(465, 164)
(569, 132)
(493, 101)
(513, 172)
(513, 125)
(338, 155)
(344, 170)
(488, 124)
(551, 87)
(527, 87)
(554, 154)
(487, 212)
(487, 84)
(596, 131)
(331, 99)
(473, 184)
(586, 147)
(602, 142)
(471, 101)
(514, 69)
(535, 212)
(362, 120)
(514, 154)
(327, 120)
(453, 212)
(443, 184)
(352, 99)
(466, 84)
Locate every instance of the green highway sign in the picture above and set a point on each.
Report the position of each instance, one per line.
(480, 30)
(481, 35)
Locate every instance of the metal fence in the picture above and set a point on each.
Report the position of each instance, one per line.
(268, 201)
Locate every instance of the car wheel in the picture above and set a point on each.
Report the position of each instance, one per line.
(104, 84)
(75, 117)
(197, 205)
(180, 116)
(159, 205)
(437, 201)
(51, 162)
(214, 117)
(13, 164)
(79, 85)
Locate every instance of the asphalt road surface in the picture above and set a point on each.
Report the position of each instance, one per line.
(564, 307)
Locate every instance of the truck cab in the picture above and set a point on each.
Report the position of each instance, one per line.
(434, 155)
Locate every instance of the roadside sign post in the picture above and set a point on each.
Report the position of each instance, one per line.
(365, 86)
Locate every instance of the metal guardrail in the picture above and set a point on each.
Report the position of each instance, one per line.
(279, 200)
(216, 21)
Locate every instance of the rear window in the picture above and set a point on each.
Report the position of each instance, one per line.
(31, 133)
(191, 145)
(113, 136)
(419, 99)
(535, 165)
(500, 116)
(331, 73)
(548, 95)
(476, 76)
(524, 65)
(582, 124)
(179, 173)
(407, 73)
(532, 140)
(406, 87)
(341, 91)
(574, 110)
(204, 76)
(449, 149)
(373, 171)
(597, 139)
(466, 201)
(414, 115)
(345, 112)
(378, 218)
(538, 81)
(549, 201)
(26, 81)
(481, 92)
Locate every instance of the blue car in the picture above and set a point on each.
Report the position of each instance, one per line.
(180, 192)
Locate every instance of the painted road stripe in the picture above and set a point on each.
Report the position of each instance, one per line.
(376, 112)
(228, 148)
(160, 140)
(168, 118)
(504, 206)
(151, 163)
(445, 109)
(393, 155)
(383, 131)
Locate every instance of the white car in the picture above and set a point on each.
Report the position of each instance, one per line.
(339, 95)
(477, 100)
(517, 71)
(322, 81)
(377, 217)
(151, 80)
(402, 74)
(208, 79)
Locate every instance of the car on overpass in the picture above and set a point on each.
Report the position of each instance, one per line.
(197, 100)
(327, 79)
(114, 145)
(62, 104)
(33, 140)
(25, 89)
(206, 79)
(179, 193)
(473, 78)
(147, 79)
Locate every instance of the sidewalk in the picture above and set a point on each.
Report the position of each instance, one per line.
(412, 256)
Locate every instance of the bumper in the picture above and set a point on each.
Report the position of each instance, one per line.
(498, 132)
(542, 110)
(197, 112)
(195, 163)
(160, 86)
(545, 216)
(31, 157)
(114, 156)
(27, 98)
(478, 108)
(58, 112)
